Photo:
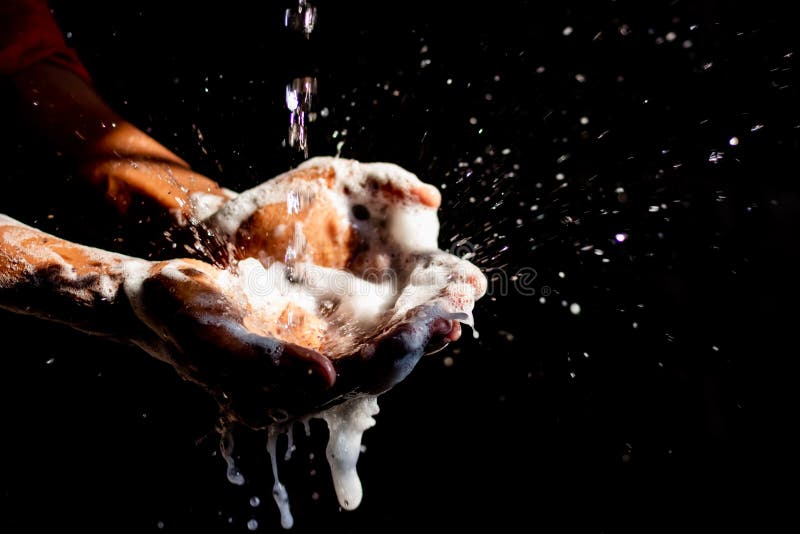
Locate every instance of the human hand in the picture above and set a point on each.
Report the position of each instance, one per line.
(195, 317)
(141, 177)
(359, 243)
(137, 174)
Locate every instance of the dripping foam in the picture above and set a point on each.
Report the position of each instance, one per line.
(347, 423)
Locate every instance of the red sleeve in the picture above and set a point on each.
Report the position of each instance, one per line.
(29, 34)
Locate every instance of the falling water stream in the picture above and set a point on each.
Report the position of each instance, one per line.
(301, 91)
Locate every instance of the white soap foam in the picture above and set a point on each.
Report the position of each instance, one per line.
(204, 205)
(346, 424)
(414, 229)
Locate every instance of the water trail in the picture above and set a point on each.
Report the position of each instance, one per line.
(290, 443)
(226, 449)
(300, 93)
(278, 490)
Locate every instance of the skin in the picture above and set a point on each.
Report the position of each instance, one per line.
(193, 321)
(131, 168)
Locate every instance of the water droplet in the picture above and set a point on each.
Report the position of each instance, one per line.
(301, 18)
(671, 36)
(575, 309)
(255, 501)
(567, 31)
(620, 237)
(299, 98)
(733, 141)
(252, 524)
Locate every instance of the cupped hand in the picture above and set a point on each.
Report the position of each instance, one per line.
(375, 222)
(195, 318)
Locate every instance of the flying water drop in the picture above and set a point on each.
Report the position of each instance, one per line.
(301, 18)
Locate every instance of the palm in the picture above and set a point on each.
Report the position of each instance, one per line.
(209, 333)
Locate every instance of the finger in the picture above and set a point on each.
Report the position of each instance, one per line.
(309, 365)
(443, 332)
(390, 357)
(299, 379)
(281, 366)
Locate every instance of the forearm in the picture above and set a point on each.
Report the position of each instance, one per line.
(60, 281)
(127, 165)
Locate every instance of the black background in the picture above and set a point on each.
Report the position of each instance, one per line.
(662, 406)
